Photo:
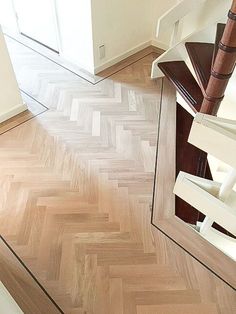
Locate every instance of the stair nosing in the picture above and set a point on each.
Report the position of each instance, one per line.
(187, 96)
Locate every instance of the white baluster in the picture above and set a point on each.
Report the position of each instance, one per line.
(174, 35)
(206, 225)
(227, 185)
(225, 189)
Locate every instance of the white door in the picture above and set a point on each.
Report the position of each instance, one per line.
(37, 20)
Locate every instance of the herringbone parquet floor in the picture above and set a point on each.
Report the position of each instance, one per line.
(76, 188)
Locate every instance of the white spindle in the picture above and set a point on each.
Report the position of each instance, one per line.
(174, 35)
(227, 185)
(206, 225)
(224, 191)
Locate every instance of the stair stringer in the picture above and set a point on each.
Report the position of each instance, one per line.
(216, 136)
(179, 52)
(202, 194)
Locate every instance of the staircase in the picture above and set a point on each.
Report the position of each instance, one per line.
(191, 88)
(202, 56)
(200, 73)
(217, 137)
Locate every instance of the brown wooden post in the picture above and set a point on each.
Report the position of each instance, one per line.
(223, 66)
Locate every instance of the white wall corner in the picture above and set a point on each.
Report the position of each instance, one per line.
(122, 56)
(67, 58)
(11, 102)
(12, 112)
(159, 44)
(113, 61)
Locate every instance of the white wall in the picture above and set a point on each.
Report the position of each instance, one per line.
(36, 19)
(7, 302)
(11, 102)
(75, 24)
(208, 13)
(158, 9)
(7, 15)
(124, 26)
(75, 28)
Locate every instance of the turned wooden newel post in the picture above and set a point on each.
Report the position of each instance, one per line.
(223, 66)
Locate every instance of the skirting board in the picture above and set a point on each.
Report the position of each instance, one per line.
(161, 46)
(12, 112)
(87, 73)
(7, 303)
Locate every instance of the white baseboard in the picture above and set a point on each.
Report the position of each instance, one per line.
(66, 60)
(70, 62)
(12, 112)
(159, 44)
(126, 54)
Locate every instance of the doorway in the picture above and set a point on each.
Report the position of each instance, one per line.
(37, 20)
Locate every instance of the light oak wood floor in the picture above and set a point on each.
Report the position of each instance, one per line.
(76, 189)
(22, 286)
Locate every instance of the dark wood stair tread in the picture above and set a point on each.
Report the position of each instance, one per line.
(201, 55)
(179, 74)
(219, 34)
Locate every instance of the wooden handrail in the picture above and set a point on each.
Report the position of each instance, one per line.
(233, 8)
(223, 66)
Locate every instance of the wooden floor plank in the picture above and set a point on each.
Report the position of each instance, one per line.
(76, 193)
(21, 285)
